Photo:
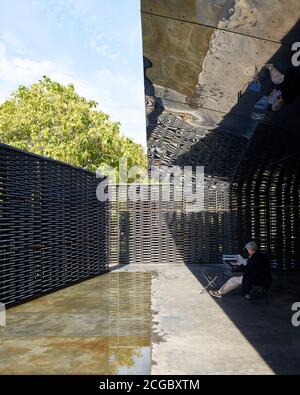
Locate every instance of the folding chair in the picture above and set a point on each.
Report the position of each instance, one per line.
(211, 278)
(212, 275)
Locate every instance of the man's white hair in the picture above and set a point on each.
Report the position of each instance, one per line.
(252, 246)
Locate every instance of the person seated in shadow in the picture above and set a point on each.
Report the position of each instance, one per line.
(256, 272)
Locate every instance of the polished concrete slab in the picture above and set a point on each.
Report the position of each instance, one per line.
(142, 319)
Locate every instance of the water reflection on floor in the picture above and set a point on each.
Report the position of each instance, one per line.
(101, 326)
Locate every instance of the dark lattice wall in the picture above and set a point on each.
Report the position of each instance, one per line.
(165, 232)
(265, 196)
(53, 230)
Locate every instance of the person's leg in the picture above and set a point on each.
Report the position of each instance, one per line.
(246, 285)
(231, 284)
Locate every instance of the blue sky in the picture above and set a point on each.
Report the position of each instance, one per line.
(94, 44)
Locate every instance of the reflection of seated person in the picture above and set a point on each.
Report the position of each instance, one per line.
(256, 272)
(289, 89)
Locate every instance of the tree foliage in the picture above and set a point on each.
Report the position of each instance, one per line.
(54, 121)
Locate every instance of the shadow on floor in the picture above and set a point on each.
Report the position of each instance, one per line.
(266, 321)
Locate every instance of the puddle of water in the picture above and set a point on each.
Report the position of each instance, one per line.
(141, 365)
(102, 326)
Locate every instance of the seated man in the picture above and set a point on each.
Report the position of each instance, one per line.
(256, 272)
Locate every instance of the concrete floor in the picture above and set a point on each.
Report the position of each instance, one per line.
(147, 318)
(195, 334)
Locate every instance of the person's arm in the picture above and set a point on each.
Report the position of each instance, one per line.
(242, 261)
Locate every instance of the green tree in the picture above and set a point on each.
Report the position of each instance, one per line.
(53, 120)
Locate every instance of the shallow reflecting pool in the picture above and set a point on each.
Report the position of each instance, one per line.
(101, 326)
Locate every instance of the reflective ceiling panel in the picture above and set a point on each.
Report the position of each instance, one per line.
(266, 19)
